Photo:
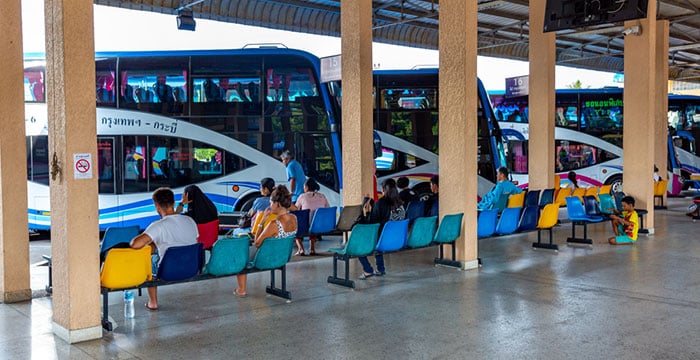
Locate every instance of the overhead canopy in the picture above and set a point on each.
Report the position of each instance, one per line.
(503, 27)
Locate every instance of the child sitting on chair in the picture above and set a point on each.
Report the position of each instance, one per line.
(626, 226)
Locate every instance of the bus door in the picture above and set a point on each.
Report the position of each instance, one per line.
(314, 150)
(106, 165)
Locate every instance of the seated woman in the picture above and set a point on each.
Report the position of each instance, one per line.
(259, 206)
(199, 207)
(284, 226)
(311, 199)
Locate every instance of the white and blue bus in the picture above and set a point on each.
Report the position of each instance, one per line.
(588, 136)
(219, 119)
(405, 112)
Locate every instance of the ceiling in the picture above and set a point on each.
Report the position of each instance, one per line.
(503, 27)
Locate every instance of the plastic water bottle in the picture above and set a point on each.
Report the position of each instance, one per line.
(128, 304)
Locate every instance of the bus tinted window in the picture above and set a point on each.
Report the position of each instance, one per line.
(154, 84)
(105, 82)
(38, 159)
(573, 155)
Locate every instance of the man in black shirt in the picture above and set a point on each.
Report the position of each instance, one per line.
(405, 193)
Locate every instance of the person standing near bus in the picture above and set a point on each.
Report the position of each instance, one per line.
(295, 174)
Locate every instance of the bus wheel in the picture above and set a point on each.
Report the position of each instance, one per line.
(247, 203)
(616, 182)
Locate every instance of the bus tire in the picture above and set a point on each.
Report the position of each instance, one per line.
(615, 182)
(247, 202)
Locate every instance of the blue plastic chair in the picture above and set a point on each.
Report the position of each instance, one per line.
(528, 220)
(181, 262)
(393, 236)
(532, 198)
(323, 221)
(577, 216)
(362, 242)
(228, 256)
(447, 233)
(508, 222)
(415, 210)
(117, 235)
(422, 232)
(546, 198)
(486, 223)
(302, 222)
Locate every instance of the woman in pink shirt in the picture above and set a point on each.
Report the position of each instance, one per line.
(311, 199)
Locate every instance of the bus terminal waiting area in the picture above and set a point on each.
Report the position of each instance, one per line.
(598, 301)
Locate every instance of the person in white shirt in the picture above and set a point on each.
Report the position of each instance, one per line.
(171, 229)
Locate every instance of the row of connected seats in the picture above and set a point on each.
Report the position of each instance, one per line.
(125, 268)
(366, 240)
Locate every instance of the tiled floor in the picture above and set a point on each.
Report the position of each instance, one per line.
(599, 302)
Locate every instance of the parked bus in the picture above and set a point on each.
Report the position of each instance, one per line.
(588, 136)
(218, 119)
(684, 130)
(406, 104)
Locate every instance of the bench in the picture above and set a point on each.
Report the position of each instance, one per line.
(364, 240)
(124, 269)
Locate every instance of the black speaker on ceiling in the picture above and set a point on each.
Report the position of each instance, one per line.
(572, 14)
(185, 20)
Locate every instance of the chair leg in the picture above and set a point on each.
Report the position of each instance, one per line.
(540, 245)
(106, 324)
(335, 279)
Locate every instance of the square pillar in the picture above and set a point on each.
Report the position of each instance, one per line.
(14, 242)
(458, 121)
(644, 102)
(541, 98)
(70, 94)
(357, 130)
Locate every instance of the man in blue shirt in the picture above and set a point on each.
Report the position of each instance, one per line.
(503, 186)
(295, 174)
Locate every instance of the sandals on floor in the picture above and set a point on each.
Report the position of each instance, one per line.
(150, 308)
(300, 253)
(364, 276)
(237, 294)
(312, 253)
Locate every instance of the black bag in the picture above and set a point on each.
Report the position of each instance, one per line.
(245, 221)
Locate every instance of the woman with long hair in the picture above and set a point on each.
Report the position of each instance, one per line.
(199, 207)
(388, 207)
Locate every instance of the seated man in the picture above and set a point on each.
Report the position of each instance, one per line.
(171, 230)
(405, 193)
(626, 226)
(503, 186)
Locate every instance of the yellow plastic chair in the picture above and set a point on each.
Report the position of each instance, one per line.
(605, 189)
(659, 192)
(579, 193)
(125, 268)
(592, 191)
(548, 218)
(516, 200)
(562, 194)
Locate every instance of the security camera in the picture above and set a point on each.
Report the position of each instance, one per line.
(634, 30)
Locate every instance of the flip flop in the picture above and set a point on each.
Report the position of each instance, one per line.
(150, 308)
(312, 253)
(364, 276)
(237, 294)
(300, 253)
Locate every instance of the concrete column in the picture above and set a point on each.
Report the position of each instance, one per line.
(458, 120)
(70, 89)
(661, 115)
(356, 62)
(14, 243)
(642, 103)
(542, 58)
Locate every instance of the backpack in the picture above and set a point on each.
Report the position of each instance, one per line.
(397, 214)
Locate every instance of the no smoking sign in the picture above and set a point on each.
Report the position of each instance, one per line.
(82, 166)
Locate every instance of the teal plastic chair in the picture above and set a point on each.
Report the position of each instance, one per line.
(228, 256)
(362, 242)
(607, 202)
(393, 236)
(422, 232)
(449, 230)
(508, 222)
(273, 253)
